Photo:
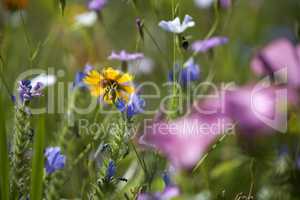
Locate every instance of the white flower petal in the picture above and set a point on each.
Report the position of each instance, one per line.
(204, 3)
(86, 19)
(175, 26)
(46, 80)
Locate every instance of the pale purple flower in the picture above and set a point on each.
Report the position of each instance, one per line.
(175, 26)
(205, 45)
(27, 90)
(185, 140)
(226, 3)
(97, 5)
(124, 56)
(277, 56)
(54, 159)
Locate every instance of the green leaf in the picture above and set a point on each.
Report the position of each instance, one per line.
(38, 162)
(4, 171)
(225, 167)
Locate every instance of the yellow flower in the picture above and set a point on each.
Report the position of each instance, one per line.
(110, 84)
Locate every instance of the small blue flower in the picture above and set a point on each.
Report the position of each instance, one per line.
(27, 90)
(54, 159)
(111, 170)
(79, 76)
(167, 179)
(134, 107)
(190, 72)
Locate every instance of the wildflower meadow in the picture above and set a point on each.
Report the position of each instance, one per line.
(149, 100)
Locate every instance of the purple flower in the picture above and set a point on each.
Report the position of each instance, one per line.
(124, 56)
(225, 3)
(298, 163)
(111, 170)
(166, 194)
(190, 72)
(27, 91)
(185, 140)
(134, 107)
(279, 55)
(175, 26)
(54, 159)
(97, 5)
(205, 45)
(170, 191)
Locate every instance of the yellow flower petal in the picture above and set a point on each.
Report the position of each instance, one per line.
(125, 78)
(129, 89)
(97, 91)
(93, 78)
(111, 74)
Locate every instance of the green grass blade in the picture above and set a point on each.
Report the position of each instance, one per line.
(4, 171)
(38, 162)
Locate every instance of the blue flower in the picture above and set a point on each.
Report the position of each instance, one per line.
(27, 90)
(79, 76)
(134, 107)
(54, 159)
(111, 170)
(167, 179)
(189, 72)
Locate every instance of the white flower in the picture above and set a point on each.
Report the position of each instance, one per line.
(204, 3)
(44, 79)
(175, 26)
(86, 19)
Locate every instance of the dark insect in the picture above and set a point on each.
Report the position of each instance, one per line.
(184, 43)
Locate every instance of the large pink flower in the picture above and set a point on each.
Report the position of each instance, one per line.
(277, 55)
(185, 140)
(257, 110)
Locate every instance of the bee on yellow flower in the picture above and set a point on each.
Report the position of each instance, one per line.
(110, 84)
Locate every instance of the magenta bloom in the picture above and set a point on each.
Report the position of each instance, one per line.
(278, 55)
(257, 111)
(205, 45)
(168, 193)
(185, 140)
(97, 5)
(124, 56)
